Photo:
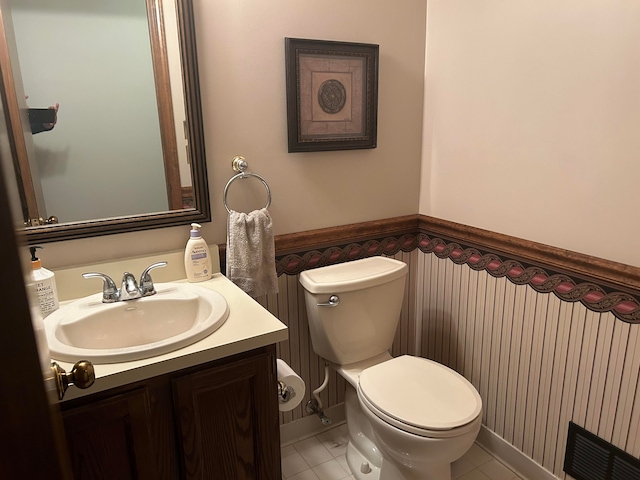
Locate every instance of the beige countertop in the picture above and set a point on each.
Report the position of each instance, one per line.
(248, 326)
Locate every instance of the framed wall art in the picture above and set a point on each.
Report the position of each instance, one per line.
(332, 95)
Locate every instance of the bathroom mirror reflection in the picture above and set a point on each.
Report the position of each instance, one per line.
(126, 149)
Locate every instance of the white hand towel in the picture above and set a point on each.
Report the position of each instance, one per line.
(251, 262)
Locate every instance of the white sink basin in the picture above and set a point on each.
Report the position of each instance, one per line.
(178, 315)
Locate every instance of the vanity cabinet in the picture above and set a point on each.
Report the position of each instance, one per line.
(214, 421)
(112, 438)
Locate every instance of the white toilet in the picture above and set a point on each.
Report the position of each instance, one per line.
(408, 417)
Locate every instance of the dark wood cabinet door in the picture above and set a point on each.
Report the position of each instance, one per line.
(111, 438)
(227, 417)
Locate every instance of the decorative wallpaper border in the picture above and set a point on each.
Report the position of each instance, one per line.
(624, 306)
(293, 264)
(570, 286)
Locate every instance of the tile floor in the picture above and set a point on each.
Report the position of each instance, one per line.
(322, 457)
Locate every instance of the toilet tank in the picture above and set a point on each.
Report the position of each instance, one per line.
(363, 324)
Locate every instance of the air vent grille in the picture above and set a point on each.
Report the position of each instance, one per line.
(623, 470)
(589, 457)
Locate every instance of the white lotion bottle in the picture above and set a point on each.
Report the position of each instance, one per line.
(45, 283)
(197, 259)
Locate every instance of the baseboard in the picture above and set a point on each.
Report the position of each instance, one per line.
(310, 425)
(523, 465)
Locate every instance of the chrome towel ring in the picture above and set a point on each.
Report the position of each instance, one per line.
(239, 164)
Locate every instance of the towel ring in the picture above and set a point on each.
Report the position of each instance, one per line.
(240, 165)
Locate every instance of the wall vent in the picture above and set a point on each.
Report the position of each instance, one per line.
(589, 457)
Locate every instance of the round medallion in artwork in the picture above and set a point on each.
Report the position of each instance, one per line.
(332, 96)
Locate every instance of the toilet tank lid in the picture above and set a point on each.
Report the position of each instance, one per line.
(355, 275)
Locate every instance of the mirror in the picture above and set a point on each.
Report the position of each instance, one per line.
(126, 151)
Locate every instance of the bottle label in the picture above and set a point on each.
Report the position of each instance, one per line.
(47, 296)
(203, 274)
(199, 263)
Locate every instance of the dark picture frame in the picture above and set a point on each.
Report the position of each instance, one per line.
(332, 95)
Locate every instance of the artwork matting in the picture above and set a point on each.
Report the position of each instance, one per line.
(332, 95)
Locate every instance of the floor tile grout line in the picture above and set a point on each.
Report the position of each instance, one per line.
(482, 459)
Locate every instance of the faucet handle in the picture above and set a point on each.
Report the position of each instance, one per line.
(146, 283)
(109, 289)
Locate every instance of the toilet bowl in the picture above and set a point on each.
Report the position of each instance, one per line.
(424, 415)
(407, 417)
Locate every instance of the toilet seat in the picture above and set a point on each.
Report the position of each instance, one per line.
(420, 396)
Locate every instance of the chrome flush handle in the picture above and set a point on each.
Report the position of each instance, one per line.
(334, 301)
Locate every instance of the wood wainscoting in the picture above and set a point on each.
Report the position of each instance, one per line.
(546, 335)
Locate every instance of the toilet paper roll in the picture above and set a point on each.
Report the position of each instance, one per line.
(291, 379)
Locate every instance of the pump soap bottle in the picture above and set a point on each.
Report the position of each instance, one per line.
(197, 259)
(45, 284)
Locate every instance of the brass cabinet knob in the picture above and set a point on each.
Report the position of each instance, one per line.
(82, 376)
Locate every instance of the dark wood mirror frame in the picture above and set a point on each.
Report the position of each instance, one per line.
(201, 210)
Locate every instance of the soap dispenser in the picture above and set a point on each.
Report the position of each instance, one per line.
(45, 284)
(197, 259)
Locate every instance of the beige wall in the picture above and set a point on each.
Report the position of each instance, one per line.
(242, 78)
(532, 120)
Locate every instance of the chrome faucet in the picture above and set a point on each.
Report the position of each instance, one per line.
(130, 289)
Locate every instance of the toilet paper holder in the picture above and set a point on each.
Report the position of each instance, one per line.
(285, 392)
